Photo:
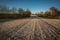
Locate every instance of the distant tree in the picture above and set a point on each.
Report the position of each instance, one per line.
(53, 11)
(28, 12)
(41, 12)
(20, 11)
(4, 9)
(24, 13)
(47, 14)
(13, 10)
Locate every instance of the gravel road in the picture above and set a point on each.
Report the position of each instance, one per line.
(33, 28)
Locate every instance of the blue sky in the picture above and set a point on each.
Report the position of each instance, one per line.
(33, 5)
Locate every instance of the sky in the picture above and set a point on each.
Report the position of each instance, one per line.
(33, 5)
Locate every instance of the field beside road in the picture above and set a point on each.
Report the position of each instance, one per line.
(32, 28)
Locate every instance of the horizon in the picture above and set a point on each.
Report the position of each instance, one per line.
(34, 6)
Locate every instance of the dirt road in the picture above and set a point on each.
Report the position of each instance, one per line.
(33, 28)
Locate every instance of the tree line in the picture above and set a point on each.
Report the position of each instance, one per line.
(53, 13)
(6, 12)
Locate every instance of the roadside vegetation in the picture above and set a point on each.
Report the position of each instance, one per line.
(7, 14)
(53, 13)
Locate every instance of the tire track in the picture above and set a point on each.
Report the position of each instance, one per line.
(52, 27)
(43, 36)
(37, 33)
(51, 30)
(12, 31)
(25, 33)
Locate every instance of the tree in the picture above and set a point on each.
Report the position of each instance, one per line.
(53, 11)
(24, 13)
(4, 9)
(13, 10)
(20, 11)
(28, 12)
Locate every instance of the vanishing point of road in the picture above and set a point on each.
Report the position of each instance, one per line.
(32, 28)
